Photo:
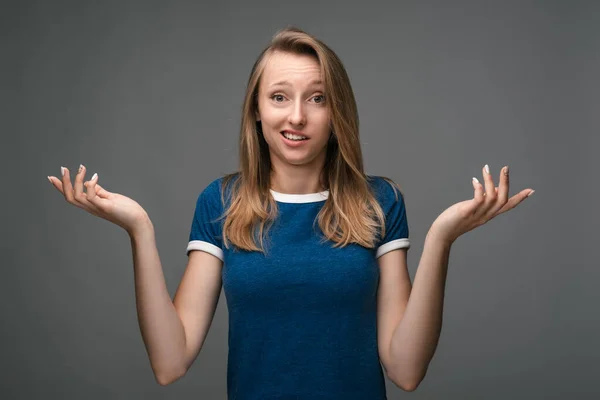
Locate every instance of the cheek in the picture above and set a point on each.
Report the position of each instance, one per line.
(272, 118)
(324, 122)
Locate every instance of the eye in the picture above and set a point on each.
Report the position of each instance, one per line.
(277, 97)
(320, 98)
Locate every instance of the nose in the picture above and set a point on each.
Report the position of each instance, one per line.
(297, 114)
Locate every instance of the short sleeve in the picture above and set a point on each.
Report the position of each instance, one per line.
(206, 230)
(396, 223)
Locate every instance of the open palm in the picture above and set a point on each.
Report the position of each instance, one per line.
(466, 215)
(113, 207)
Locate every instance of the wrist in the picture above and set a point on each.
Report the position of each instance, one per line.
(142, 227)
(439, 235)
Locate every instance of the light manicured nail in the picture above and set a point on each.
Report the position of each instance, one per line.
(506, 170)
(80, 168)
(487, 169)
(475, 180)
(50, 180)
(94, 176)
(62, 171)
(530, 193)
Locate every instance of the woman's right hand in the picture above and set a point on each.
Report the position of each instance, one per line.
(113, 207)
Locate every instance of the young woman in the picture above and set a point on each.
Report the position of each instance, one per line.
(310, 250)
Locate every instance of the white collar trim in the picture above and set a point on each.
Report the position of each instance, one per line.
(300, 198)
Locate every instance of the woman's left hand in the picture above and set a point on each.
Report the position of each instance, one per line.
(469, 214)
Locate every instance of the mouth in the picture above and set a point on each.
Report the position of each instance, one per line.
(294, 136)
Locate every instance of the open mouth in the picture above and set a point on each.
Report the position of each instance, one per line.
(292, 137)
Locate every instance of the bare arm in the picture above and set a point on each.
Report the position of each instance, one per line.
(173, 331)
(416, 336)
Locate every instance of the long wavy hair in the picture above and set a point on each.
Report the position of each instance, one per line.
(351, 213)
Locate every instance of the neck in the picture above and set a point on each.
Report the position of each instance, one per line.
(294, 179)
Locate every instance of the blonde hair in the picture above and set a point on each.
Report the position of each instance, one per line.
(351, 213)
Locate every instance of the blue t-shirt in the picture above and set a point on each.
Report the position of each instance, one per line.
(303, 318)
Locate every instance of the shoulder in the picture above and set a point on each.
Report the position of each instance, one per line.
(385, 190)
(218, 190)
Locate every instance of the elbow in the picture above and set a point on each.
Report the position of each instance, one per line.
(406, 384)
(410, 388)
(166, 378)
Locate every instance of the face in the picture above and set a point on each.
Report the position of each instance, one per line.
(291, 99)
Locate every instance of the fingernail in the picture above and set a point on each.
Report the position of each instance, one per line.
(94, 176)
(475, 180)
(50, 180)
(80, 168)
(530, 193)
(62, 171)
(506, 170)
(487, 169)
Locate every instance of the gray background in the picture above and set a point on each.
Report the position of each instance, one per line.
(148, 95)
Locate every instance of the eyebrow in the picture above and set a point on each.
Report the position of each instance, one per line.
(286, 83)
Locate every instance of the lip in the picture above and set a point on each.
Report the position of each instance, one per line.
(295, 132)
(293, 143)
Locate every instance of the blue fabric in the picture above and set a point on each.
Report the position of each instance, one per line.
(303, 318)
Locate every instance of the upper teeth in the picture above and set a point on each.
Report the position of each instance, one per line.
(292, 136)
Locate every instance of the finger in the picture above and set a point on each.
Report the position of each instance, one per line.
(503, 190)
(96, 195)
(57, 183)
(490, 193)
(78, 184)
(101, 192)
(514, 201)
(67, 187)
(91, 188)
(97, 203)
(478, 191)
(501, 193)
(79, 197)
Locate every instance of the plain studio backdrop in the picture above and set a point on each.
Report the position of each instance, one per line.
(148, 95)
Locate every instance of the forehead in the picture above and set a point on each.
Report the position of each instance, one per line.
(291, 67)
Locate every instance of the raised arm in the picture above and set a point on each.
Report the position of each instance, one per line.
(173, 331)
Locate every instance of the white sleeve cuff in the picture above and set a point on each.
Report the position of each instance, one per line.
(205, 246)
(393, 245)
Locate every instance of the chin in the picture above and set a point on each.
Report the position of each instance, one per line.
(299, 160)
